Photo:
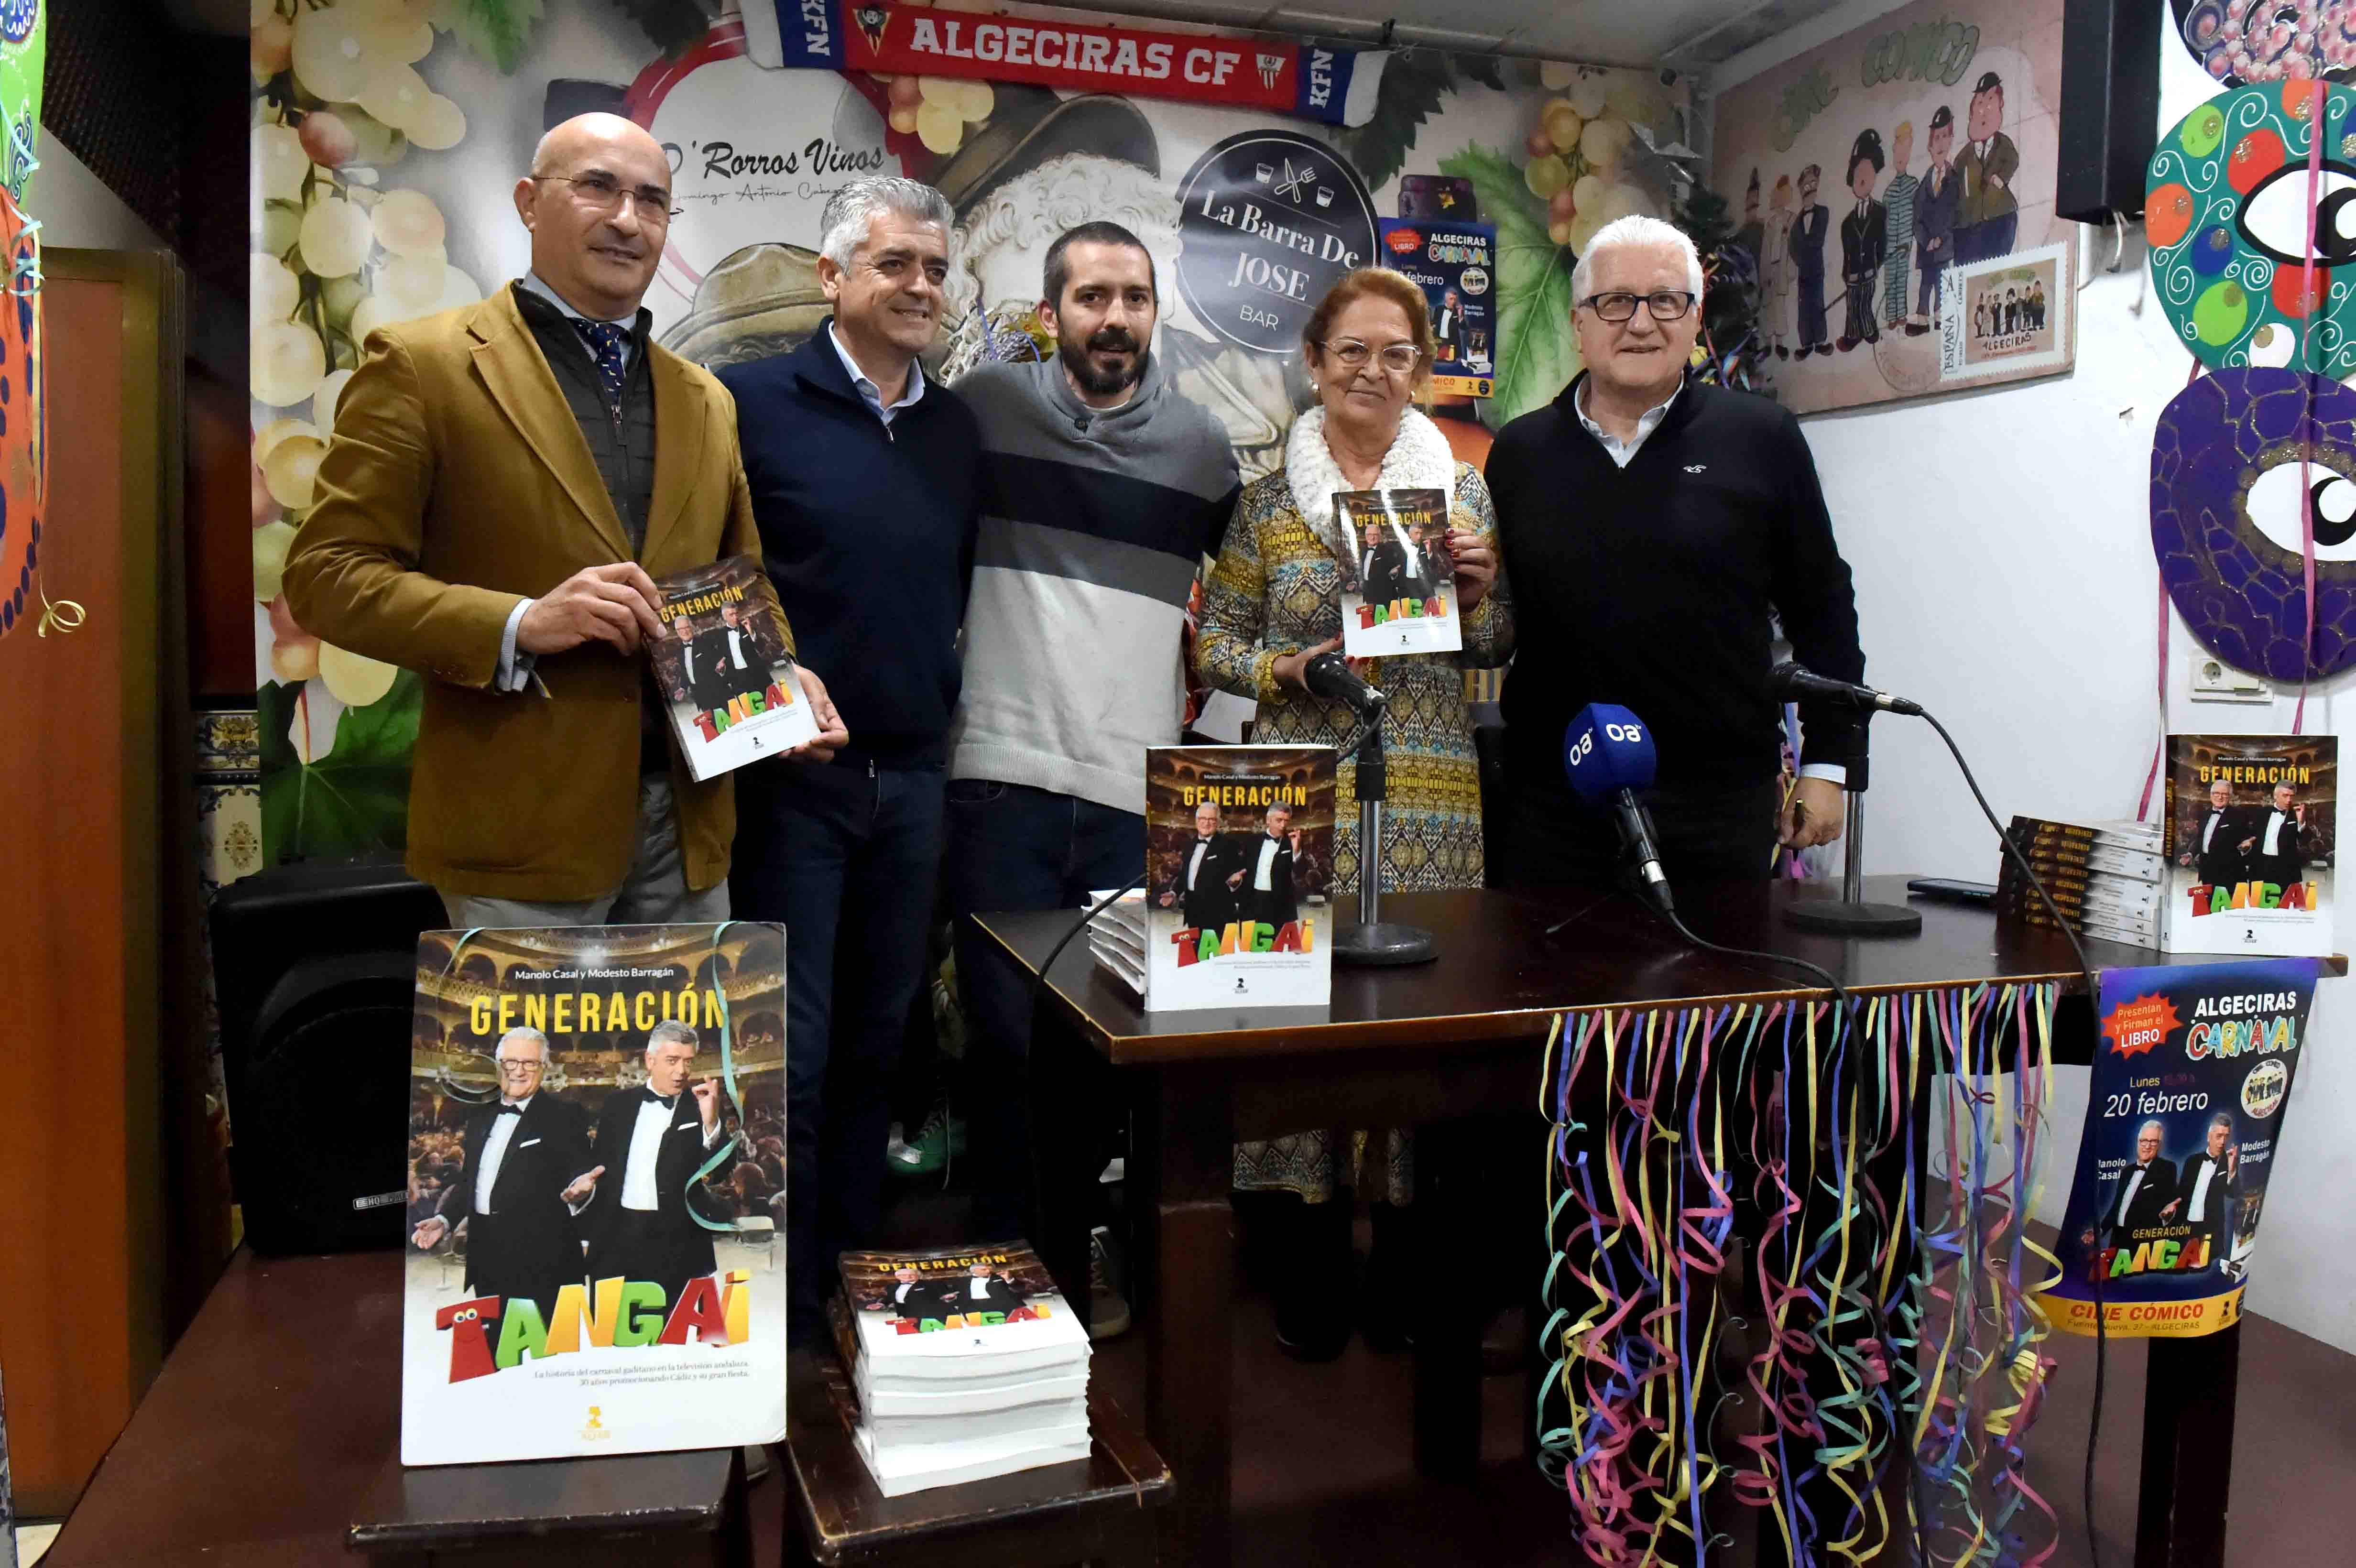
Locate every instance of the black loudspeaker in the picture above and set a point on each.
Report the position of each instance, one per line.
(2110, 106)
(316, 968)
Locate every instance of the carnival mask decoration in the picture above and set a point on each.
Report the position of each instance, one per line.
(2241, 42)
(2225, 517)
(24, 432)
(2227, 216)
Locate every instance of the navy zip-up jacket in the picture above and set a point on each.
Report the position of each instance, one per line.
(868, 532)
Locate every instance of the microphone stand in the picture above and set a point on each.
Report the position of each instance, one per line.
(1850, 915)
(1375, 940)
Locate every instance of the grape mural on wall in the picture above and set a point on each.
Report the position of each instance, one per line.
(340, 246)
(387, 135)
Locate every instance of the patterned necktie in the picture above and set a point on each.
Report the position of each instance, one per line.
(605, 339)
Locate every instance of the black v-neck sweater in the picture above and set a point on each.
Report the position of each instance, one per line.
(1652, 586)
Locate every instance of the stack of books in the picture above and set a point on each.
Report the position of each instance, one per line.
(966, 1364)
(2107, 878)
(1117, 938)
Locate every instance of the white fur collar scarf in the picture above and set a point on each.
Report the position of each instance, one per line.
(1419, 460)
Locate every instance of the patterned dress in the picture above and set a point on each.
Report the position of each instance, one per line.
(1276, 591)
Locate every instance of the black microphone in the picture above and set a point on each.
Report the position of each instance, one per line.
(1608, 757)
(1791, 682)
(1329, 675)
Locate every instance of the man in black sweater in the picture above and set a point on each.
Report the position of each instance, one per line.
(863, 477)
(1662, 526)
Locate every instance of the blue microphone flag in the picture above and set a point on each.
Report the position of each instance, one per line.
(1607, 749)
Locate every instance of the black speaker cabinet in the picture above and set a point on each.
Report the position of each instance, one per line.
(316, 968)
(2110, 106)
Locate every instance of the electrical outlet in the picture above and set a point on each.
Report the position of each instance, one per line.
(2214, 680)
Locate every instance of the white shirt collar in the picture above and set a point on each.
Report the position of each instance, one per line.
(533, 282)
(522, 1105)
(1646, 426)
(540, 286)
(868, 390)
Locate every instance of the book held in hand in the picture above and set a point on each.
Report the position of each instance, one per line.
(597, 1179)
(732, 690)
(2250, 843)
(1398, 582)
(966, 1363)
(1239, 861)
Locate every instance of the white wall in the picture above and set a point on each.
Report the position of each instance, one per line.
(75, 209)
(2005, 579)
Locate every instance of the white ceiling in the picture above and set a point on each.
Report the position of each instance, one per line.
(1685, 33)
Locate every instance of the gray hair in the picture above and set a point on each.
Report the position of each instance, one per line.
(1633, 230)
(522, 1031)
(842, 226)
(2221, 1119)
(2153, 1122)
(671, 1029)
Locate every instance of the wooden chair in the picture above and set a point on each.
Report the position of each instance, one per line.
(1103, 1509)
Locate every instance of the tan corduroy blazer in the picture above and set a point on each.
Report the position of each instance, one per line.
(458, 483)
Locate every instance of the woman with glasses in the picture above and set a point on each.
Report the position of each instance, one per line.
(1273, 603)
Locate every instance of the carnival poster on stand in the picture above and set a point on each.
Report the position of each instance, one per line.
(1877, 172)
(388, 135)
(2192, 1068)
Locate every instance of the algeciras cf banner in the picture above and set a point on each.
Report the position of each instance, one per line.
(2192, 1070)
(1336, 86)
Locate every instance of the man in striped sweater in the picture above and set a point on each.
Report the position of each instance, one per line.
(1102, 490)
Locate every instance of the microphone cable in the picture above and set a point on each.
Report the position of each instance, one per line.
(2093, 1006)
(1845, 1069)
(1081, 924)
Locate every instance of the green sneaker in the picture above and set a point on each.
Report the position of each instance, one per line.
(939, 1140)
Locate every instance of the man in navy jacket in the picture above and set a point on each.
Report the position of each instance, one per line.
(863, 481)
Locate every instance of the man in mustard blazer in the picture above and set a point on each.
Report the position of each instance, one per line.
(505, 482)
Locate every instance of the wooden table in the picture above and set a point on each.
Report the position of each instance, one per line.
(1427, 1045)
(275, 1426)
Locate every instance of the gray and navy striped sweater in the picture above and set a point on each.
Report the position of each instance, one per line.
(1093, 526)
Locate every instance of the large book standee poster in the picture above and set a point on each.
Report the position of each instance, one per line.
(2250, 841)
(2192, 1069)
(596, 1182)
(1239, 853)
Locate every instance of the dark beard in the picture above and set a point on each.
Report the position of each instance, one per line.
(1098, 383)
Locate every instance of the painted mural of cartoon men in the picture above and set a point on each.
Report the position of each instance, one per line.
(1990, 213)
(1775, 319)
(1936, 204)
(1808, 232)
(1899, 197)
(1865, 242)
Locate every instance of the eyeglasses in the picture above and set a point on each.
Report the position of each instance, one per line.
(1398, 358)
(1666, 305)
(601, 192)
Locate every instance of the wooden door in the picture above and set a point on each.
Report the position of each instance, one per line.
(94, 753)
